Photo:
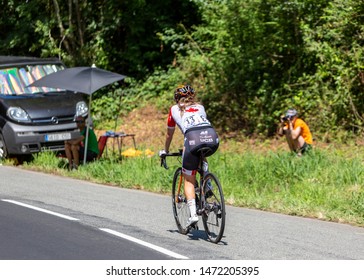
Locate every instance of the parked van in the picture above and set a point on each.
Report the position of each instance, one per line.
(34, 119)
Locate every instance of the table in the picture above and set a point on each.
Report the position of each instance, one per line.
(118, 139)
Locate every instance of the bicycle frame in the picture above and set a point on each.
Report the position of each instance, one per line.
(201, 192)
(200, 171)
(210, 205)
(179, 186)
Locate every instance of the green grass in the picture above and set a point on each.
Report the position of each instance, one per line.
(326, 184)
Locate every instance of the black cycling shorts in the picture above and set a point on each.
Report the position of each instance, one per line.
(195, 139)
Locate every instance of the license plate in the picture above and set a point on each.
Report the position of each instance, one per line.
(57, 137)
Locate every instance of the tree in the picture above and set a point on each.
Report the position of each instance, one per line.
(258, 58)
(118, 35)
(336, 43)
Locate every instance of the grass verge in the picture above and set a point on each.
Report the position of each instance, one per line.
(326, 184)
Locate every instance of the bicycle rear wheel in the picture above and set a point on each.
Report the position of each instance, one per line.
(214, 215)
(181, 211)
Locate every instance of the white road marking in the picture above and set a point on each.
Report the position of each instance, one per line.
(41, 210)
(146, 244)
(127, 237)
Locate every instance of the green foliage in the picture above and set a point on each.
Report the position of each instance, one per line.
(117, 35)
(157, 89)
(337, 84)
(249, 61)
(252, 61)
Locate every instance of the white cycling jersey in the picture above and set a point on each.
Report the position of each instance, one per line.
(193, 116)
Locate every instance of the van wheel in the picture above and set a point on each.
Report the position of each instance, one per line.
(3, 151)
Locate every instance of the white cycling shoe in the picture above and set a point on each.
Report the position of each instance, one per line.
(192, 220)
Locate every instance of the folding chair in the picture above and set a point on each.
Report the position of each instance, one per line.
(102, 144)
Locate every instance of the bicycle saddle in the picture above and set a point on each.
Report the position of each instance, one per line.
(205, 151)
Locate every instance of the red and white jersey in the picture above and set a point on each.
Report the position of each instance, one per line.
(193, 116)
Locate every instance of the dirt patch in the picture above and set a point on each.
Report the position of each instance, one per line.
(149, 126)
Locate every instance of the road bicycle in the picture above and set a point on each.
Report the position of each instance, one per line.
(210, 202)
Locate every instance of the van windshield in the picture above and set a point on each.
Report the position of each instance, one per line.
(14, 81)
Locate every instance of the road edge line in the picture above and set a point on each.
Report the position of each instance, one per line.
(146, 244)
(41, 210)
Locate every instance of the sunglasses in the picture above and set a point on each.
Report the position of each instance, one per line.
(80, 121)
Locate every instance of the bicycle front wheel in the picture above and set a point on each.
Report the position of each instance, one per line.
(214, 215)
(181, 211)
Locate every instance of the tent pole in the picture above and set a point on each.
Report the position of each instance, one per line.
(87, 130)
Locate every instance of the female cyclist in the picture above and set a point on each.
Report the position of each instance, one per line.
(190, 117)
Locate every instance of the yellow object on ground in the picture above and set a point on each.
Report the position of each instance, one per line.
(131, 152)
(148, 152)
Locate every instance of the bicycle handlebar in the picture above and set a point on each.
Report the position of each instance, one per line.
(163, 158)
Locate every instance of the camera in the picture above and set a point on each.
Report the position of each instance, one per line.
(287, 118)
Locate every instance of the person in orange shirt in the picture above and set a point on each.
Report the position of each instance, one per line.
(297, 132)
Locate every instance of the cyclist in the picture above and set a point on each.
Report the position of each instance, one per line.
(191, 119)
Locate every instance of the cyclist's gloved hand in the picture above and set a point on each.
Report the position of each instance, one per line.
(162, 153)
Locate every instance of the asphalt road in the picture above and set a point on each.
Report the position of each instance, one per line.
(140, 225)
(27, 234)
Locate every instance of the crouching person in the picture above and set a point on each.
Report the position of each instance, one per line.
(297, 132)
